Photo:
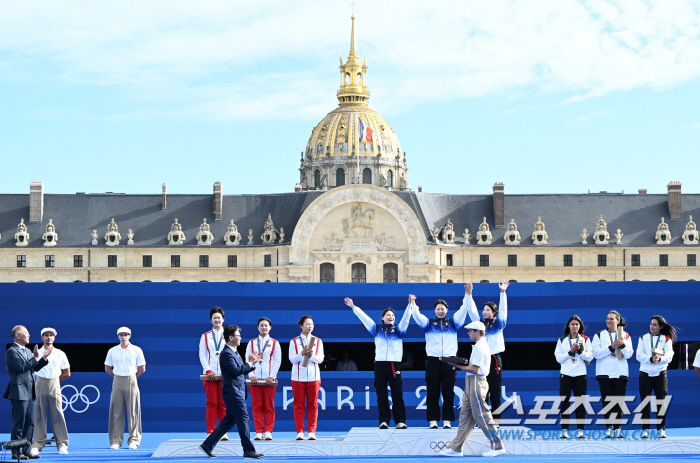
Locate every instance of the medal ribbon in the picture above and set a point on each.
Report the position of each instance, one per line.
(303, 344)
(657, 340)
(264, 347)
(217, 344)
(573, 359)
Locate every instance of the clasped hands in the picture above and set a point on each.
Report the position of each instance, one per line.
(47, 351)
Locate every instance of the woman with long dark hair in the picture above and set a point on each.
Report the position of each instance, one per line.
(573, 352)
(655, 352)
(611, 370)
(387, 360)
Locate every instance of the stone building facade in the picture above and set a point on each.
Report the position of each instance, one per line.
(351, 218)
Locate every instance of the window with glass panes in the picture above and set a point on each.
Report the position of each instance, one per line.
(268, 260)
(568, 260)
(359, 273)
(174, 261)
(204, 261)
(233, 261)
(147, 261)
(512, 260)
(602, 260)
(21, 261)
(111, 261)
(49, 261)
(691, 260)
(327, 272)
(539, 260)
(636, 260)
(77, 260)
(484, 260)
(448, 260)
(391, 273)
(663, 260)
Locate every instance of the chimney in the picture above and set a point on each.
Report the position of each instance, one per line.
(674, 200)
(297, 188)
(218, 200)
(420, 188)
(499, 211)
(643, 191)
(36, 202)
(163, 196)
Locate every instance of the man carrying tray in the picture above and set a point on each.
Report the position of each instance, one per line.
(474, 408)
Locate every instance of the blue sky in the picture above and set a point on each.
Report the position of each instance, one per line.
(547, 97)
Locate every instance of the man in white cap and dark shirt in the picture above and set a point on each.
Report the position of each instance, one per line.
(48, 396)
(474, 407)
(125, 363)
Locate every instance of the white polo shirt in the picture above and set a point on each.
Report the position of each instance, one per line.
(696, 363)
(57, 362)
(125, 362)
(481, 357)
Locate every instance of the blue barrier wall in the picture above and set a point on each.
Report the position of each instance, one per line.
(167, 320)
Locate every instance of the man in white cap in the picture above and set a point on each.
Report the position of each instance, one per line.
(474, 408)
(48, 396)
(125, 363)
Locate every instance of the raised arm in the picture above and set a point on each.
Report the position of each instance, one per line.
(14, 362)
(468, 302)
(502, 315)
(405, 320)
(364, 318)
(420, 319)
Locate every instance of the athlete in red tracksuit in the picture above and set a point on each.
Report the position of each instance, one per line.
(306, 382)
(210, 346)
(263, 397)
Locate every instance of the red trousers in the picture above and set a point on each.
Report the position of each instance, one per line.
(308, 392)
(263, 398)
(215, 404)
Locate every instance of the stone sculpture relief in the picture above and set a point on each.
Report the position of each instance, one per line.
(296, 279)
(359, 223)
(21, 237)
(332, 243)
(204, 236)
(327, 257)
(112, 236)
(448, 232)
(483, 237)
(269, 235)
(663, 234)
(618, 236)
(232, 237)
(436, 235)
(359, 257)
(385, 243)
(690, 235)
(50, 237)
(539, 235)
(601, 235)
(176, 236)
(512, 236)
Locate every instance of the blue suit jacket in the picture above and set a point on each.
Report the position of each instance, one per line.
(233, 369)
(21, 365)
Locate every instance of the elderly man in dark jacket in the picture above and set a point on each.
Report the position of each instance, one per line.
(21, 365)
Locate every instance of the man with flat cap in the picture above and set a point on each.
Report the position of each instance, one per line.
(233, 369)
(21, 365)
(125, 363)
(48, 396)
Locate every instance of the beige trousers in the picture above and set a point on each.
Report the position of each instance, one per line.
(125, 395)
(49, 406)
(475, 410)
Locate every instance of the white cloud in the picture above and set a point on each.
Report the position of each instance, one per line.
(233, 60)
(593, 115)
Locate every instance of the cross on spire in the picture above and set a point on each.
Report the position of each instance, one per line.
(353, 8)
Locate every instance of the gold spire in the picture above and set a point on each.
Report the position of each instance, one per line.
(353, 77)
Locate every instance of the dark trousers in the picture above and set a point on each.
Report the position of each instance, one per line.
(612, 387)
(236, 414)
(22, 423)
(383, 376)
(494, 379)
(659, 385)
(439, 377)
(578, 385)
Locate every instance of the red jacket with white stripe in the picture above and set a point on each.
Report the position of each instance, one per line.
(311, 373)
(207, 352)
(272, 357)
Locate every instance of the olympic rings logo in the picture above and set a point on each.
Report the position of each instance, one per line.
(439, 446)
(78, 396)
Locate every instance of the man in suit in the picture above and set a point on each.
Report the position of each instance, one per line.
(233, 370)
(21, 365)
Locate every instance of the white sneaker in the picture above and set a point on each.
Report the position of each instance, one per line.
(268, 435)
(618, 433)
(300, 436)
(495, 453)
(433, 425)
(258, 436)
(383, 426)
(579, 434)
(224, 437)
(662, 434)
(565, 434)
(446, 425)
(115, 446)
(63, 450)
(312, 436)
(645, 434)
(609, 433)
(34, 451)
(401, 426)
(133, 446)
(448, 452)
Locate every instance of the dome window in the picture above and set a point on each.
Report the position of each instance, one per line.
(347, 78)
(317, 178)
(366, 176)
(340, 177)
(390, 178)
(359, 78)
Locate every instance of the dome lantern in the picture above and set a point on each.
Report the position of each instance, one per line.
(353, 77)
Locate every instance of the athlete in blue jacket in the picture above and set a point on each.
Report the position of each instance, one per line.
(440, 341)
(387, 360)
